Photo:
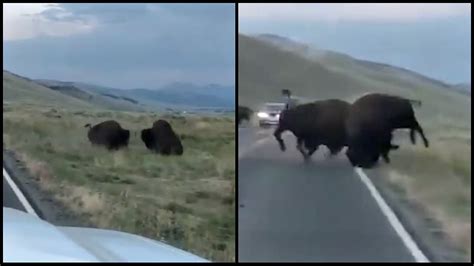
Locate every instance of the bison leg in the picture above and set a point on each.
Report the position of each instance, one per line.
(334, 150)
(311, 146)
(385, 156)
(300, 147)
(416, 127)
(277, 135)
(412, 136)
(422, 134)
(312, 150)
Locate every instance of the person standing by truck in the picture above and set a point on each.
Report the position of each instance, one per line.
(287, 98)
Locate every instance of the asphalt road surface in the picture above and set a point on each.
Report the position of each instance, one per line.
(10, 199)
(318, 211)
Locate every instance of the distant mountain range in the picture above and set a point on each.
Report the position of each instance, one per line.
(176, 95)
(463, 88)
(180, 97)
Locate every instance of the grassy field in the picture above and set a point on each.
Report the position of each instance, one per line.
(437, 178)
(186, 201)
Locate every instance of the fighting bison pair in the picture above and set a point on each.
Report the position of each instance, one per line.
(160, 138)
(365, 127)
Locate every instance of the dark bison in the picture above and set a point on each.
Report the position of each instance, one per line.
(370, 124)
(162, 139)
(109, 134)
(314, 124)
(243, 113)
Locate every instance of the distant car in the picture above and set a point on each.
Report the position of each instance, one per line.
(270, 114)
(27, 238)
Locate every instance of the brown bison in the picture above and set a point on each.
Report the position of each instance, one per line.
(243, 113)
(314, 124)
(370, 124)
(109, 134)
(162, 139)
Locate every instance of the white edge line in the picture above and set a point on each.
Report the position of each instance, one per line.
(18, 193)
(392, 218)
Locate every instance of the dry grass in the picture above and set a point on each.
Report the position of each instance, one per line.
(186, 201)
(438, 178)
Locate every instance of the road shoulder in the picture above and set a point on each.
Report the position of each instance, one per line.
(44, 204)
(425, 231)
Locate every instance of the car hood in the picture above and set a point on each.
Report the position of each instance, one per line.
(27, 238)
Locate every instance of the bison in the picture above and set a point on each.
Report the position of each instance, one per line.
(243, 113)
(314, 124)
(370, 123)
(162, 139)
(109, 134)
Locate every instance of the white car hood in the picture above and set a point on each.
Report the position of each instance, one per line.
(27, 238)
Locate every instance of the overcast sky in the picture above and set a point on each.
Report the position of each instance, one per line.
(121, 45)
(432, 39)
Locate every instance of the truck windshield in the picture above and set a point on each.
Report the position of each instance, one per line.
(275, 107)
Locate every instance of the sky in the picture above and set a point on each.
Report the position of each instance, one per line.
(431, 39)
(121, 45)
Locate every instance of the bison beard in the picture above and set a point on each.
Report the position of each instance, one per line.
(109, 134)
(365, 152)
(162, 139)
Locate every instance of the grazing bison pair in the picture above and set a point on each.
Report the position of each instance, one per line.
(160, 138)
(365, 126)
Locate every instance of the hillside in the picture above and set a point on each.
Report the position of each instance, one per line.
(355, 67)
(268, 65)
(464, 88)
(176, 95)
(17, 89)
(103, 99)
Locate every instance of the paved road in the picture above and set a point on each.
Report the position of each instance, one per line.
(10, 199)
(319, 211)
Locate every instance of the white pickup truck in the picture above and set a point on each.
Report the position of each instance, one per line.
(27, 238)
(270, 113)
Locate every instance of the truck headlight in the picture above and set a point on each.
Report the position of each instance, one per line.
(262, 115)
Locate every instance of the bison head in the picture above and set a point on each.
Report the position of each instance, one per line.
(362, 158)
(147, 138)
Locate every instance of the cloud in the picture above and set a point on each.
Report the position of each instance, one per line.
(396, 12)
(131, 45)
(105, 13)
(26, 21)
